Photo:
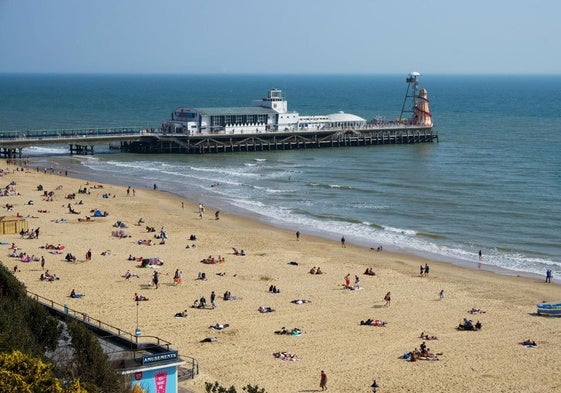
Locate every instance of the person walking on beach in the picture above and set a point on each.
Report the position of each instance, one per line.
(213, 299)
(480, 255)
(388, 299)
(426, 269)
(548, 275)
(441, 294)
(323, 381)
(89, 255)
(343, 242)
(297, 236)
(155, 279)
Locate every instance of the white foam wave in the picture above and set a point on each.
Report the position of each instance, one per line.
(45, 151)
(407, 232)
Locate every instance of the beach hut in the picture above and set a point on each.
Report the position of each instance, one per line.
(10, 225)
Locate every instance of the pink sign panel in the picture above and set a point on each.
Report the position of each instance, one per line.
(160, 379)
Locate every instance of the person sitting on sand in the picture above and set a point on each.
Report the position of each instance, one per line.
(75, 295)
(140, 298)
(369, 272)
(318, 270)
(313, 270)
(70, 258)
(529, 343)
(468, 325)
(202, 302)
(182, 314)
(228, 296)
(347, 281)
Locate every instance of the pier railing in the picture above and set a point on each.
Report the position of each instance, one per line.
(73, 132)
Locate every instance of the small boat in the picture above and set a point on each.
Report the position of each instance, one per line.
(553, 309)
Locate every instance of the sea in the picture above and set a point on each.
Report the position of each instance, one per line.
(491, 183)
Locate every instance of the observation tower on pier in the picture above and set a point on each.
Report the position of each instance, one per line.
(417, 100)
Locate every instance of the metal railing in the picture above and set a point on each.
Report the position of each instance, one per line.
(64, 310)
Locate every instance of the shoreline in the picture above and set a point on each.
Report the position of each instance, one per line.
(333, 338)
(330, 236)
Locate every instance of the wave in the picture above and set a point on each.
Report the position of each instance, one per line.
(408, 232)
(34, 151)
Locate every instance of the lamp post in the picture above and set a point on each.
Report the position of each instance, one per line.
(137, 331)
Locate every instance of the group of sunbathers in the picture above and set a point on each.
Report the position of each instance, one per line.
(219, 326)
(210, 260)
(285, 356)
(274, 289)
(373, 322)
(238, 253)
(369, 272)
(289, 332)
(48, 276)
(300, 301)
(423, 353)
(425, 336)
(467, 324)
(315, 270)
(229, 296)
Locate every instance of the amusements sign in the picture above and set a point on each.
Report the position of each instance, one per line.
(163, 380)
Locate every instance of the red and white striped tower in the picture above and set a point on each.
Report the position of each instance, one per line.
(422, 115)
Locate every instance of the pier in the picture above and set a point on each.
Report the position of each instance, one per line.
(290, 140)
(80, 141)
(144, 140)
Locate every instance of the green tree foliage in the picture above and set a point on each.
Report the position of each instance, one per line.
(24, 324)
(90, 364)
(217, 388)
(21, 373)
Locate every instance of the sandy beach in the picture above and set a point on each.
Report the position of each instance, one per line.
(333, 340)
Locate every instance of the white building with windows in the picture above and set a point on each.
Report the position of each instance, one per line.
(270, 114)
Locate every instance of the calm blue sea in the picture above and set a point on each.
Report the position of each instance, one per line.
(492, 183)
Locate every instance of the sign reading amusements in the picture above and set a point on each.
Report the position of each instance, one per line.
(160, 357)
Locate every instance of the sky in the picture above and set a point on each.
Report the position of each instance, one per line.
(280, 37)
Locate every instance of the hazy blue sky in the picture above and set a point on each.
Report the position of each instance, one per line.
(282, 36)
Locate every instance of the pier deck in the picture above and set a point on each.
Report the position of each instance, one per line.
(270, 141)
(143, 140)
